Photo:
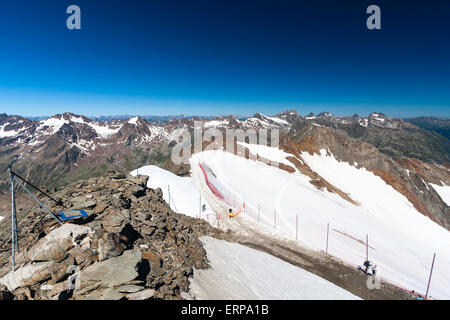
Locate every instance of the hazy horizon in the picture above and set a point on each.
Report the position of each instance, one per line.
(126, 115)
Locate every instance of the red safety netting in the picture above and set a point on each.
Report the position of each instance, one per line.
(210, 185)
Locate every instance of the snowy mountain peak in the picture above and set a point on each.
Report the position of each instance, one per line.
(135, 120)
(378, 115)
(325, 114)
(260, 120)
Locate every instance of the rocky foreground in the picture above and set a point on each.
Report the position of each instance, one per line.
(132, 246)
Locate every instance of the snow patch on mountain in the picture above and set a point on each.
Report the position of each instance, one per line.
(265, 121)
(443, 191)
(272, 154)
(133, 120)
(278, 120)
(242, 273)
(216, 123)
(9, 133)
(102, 129)
(51, 125)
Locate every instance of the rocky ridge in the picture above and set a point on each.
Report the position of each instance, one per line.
(47, 150)
(394, 137)
(132, 245)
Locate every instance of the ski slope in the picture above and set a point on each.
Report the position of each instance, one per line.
(239, 272)
(401, 240)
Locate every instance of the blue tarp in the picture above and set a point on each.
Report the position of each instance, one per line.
(73, 214)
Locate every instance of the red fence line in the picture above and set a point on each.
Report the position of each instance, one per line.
(210, 186)
(217, 193)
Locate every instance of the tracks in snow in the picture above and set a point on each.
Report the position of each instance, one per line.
(247, 231)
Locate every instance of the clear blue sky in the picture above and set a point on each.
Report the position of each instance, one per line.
(224, 57)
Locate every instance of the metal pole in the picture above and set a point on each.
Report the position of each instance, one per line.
(328, 232)
(296, 227)
(168, 191)
(36, 199)
(429, 279)
(13, 217)
(218, 220)
(13, 209)
(200, 207)
(16, 228)
(16, 232)
(58, 202)
(367, 247)
(135, 157)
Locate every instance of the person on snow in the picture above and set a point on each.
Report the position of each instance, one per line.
(236, 213)
(367, 264)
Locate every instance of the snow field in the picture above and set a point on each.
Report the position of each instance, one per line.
(401, 240)
(239, 272)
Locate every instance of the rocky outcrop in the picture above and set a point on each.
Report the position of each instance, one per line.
(55, 245)
(431, 173)
(112, 272)
(132, 245)
(394, 137)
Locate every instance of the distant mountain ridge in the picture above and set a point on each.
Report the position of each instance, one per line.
(65, 148)
(437, 124)
(393, 136)
(162, 119)
(47, 150)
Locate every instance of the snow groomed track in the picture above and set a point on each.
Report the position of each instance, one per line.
(402, 241)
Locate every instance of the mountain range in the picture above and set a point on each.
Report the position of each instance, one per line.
(409, 154)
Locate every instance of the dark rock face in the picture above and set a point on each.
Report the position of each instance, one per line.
(394, 137)
(132, 246)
